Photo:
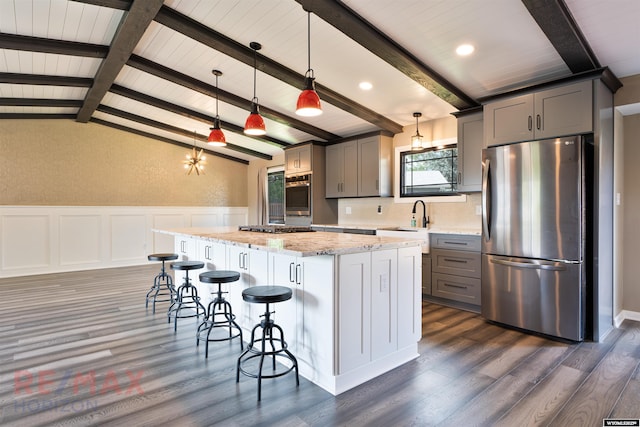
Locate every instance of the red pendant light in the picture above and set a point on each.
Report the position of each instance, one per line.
(255, 124)
(309, 102)
(216, 137)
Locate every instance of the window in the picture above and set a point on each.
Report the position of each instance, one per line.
(275, 196)
(430, 172)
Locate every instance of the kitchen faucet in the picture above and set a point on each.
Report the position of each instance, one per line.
(425, 220)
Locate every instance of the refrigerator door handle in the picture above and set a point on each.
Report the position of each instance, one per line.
(485, 200)
(548, 267)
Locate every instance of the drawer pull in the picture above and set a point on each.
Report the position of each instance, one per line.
(461, 261)
(455, 286)
(457, 243)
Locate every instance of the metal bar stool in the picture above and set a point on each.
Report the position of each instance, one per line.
(187, 302)
(161, 278)
(266, 295)
(219, 308)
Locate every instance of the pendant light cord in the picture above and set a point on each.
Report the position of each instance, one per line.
(217, 117)
(255, 65)
(308, 41)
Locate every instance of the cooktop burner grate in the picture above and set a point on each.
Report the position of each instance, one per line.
(275, 228)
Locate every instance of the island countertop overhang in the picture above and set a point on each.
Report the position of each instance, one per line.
(303, 244)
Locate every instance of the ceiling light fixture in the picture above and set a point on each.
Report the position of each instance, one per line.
(465, 49)
(309, 102)
(416, 140)
(365, 86)
(255, 124)
(216, 137)
(195, 160)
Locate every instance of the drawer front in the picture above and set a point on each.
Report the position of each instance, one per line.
(457, 288)
(459, 263)
(457, 242)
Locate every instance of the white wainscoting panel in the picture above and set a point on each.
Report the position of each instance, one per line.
(80, 239)
(51, 239)
(128, 237)
(26, 242)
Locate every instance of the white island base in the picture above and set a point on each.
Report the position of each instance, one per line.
(356, 310)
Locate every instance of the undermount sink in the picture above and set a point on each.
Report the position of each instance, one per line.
(413, 233)
(409, 229)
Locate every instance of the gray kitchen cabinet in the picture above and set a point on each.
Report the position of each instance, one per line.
(564, 110)
(374, 166)
(359, 168)
(426, 274)
(342, 170)
(298, 159)
(455, 268)
(470, 143)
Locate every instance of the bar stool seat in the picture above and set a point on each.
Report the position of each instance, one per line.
(219, 316)
(257, 346)
(161, 279)
(187, 302)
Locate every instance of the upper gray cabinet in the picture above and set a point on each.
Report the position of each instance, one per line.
(470, 134)
(564, 110)
(298, 159)
(359, 168)
(342, 170)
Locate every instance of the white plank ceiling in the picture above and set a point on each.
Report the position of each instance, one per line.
(511, 51)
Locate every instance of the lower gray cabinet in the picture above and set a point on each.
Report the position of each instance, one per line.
(426, 274)
(455, 266)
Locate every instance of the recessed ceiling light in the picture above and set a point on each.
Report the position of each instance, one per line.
(365, 86)
(464, 49)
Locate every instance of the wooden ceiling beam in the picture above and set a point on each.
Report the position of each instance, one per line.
(132, 27)
(179, 131)
(44, 80)
(40, 102)
(163, 139)
(555, 20)
(60, 47)
(375, 41)
(217, 41)
(186, 112)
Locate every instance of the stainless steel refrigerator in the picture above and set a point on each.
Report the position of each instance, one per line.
(535, 240)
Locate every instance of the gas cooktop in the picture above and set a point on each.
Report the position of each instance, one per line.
(275, 228)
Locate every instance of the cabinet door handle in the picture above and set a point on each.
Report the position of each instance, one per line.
(459, 178)
(206, 252)
(244, 261)
(291, 272)
(538, 121)
(377, 184)
(183, 243)
(298, 275)
(530, 122)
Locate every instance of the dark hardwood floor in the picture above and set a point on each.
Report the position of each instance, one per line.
(80, 349)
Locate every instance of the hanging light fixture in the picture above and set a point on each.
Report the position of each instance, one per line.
(195, 160)
(416, 140)
(216, 137)
(254, 124)
(309, 101)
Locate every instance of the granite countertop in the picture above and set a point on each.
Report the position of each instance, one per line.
(297, 244)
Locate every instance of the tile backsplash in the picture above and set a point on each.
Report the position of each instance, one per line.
(384, 211)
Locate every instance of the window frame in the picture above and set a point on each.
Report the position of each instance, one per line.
(402, 154)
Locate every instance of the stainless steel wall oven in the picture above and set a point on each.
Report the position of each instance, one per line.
(298, 195)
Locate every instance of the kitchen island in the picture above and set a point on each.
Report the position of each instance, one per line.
(356, 311)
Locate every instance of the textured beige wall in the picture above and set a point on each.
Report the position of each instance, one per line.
(65, 163)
